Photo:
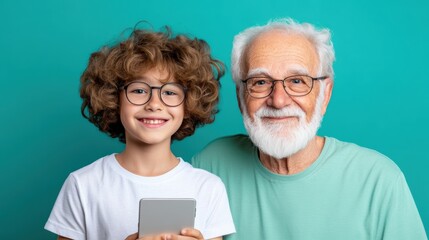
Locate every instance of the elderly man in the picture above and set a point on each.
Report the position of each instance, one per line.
(283, 181)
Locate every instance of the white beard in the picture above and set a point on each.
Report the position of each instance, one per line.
(281, 140)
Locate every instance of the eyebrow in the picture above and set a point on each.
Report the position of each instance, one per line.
(257, 71)
(293, 70)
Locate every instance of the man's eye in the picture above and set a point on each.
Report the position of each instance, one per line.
(296, 81)
(260, 82)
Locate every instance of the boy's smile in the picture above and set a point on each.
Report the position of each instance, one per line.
(153, 123)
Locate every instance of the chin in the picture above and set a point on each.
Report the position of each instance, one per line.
(282, 139)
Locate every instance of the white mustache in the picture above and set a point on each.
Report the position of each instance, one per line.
(284, 112)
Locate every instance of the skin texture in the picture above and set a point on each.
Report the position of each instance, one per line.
(279, 55)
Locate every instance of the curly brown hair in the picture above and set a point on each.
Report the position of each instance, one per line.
(187, 60)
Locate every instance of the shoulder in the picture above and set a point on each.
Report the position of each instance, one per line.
(361, 157)
(228, 144)
(93, 170)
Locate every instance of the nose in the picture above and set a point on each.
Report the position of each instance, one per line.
(154, 102)
(279, 98)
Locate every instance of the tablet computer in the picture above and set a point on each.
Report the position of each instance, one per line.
(159, 215)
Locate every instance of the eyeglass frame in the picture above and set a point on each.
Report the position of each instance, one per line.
(124, 87)
(273, 80)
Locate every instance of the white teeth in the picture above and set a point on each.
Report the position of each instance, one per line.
(153, 121)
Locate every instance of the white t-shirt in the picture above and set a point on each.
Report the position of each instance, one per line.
(101, 200)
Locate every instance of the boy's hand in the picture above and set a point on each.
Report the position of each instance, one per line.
(185, 234)
(132, 237)
(190, 233)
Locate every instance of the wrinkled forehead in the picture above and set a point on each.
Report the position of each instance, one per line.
(279, 54)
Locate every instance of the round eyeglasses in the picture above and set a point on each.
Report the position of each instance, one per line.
(139, 93)
(295, 86)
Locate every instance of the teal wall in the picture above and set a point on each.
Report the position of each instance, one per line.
(379, 101)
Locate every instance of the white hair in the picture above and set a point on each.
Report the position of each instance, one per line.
(321, 40)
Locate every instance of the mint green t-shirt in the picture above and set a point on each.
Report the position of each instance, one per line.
(349, 192)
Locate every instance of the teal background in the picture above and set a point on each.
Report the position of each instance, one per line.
(379, 101)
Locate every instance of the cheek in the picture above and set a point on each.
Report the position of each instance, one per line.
(252, 105)
(124, 114)
(308, 104)
(179, 112)
(309, 110)
(126, 110)
(123, 105)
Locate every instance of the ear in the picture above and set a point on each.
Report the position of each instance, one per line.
(329, 84)
(237, 95)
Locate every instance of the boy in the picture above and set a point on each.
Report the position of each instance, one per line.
(148, 90)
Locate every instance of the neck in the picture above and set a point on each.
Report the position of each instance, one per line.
(295, 163)
(147, 159)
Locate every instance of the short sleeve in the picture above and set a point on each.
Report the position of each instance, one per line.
(67, 216)
(402, 219)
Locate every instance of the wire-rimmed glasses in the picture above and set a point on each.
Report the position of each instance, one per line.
(139, 93)
(296, 85)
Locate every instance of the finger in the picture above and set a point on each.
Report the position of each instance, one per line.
(191, 232)
(167, 237)
(132, 237)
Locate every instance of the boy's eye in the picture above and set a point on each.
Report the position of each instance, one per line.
(138, 91)
(169, 93)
